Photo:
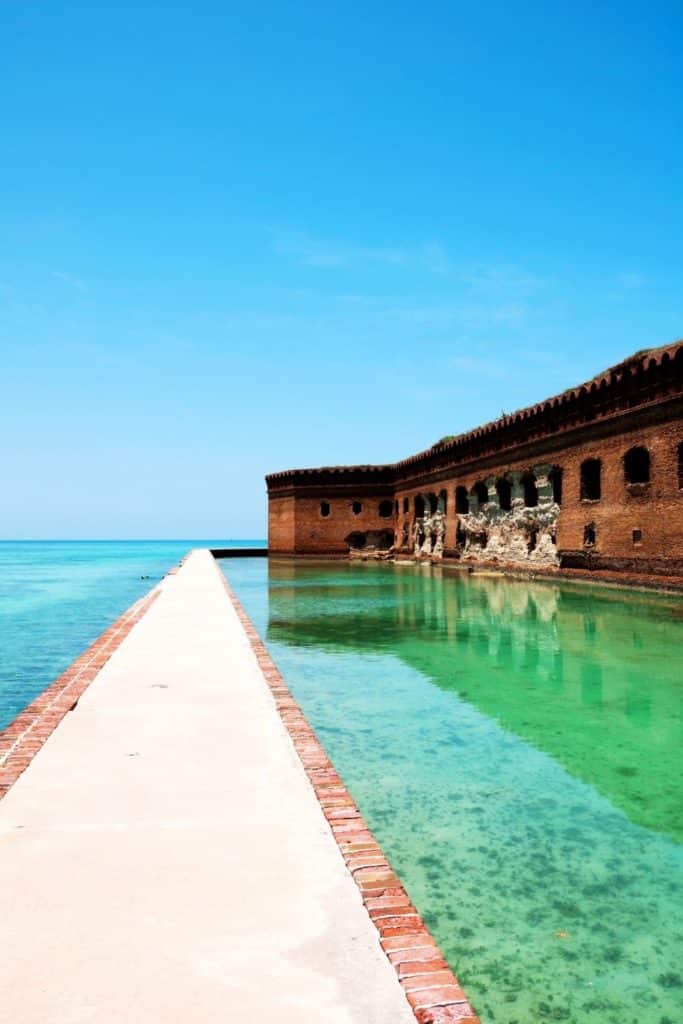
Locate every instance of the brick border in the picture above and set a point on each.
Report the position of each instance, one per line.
(26, 734)
(430, 986)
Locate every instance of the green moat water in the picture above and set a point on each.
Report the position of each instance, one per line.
(516, 748)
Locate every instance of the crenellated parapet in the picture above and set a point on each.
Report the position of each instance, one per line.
(643, 381)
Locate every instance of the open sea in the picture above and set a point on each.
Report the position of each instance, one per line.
(56, 597)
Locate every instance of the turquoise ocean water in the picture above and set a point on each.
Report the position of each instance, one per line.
(515, 746)
(56, 597)
(517, 749)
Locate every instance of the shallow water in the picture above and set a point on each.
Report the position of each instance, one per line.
(516, 748)
(56, 597)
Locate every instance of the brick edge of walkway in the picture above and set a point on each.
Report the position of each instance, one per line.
(26, 734)
(431, 988)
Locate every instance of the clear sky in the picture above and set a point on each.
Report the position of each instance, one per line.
(241, 237)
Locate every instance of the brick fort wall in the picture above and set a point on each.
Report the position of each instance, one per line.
(592, 477)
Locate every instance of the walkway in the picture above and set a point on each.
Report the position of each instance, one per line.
(164, 858)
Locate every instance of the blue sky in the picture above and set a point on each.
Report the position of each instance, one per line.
(237, 238)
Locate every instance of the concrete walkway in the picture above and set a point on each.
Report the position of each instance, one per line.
(164, 858)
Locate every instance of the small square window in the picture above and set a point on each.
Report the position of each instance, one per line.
(637, 536)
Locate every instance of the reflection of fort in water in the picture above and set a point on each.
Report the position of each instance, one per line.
(586, 677)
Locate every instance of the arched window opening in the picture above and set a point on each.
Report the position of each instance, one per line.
(589, 535)
(356, 508)
(590, 480)
(443, 502)
(433, 504)
(324, 509)
(555, 478)
(386, 508)
(462, 502)
(504, 489)
(481, 493)
(419, 506)
(637, 466)
(406, 506)
(530, 490)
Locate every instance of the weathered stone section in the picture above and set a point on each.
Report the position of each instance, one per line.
(372, 544)
(520, 536)
(429, 530)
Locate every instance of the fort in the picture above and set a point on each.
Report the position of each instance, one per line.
(590, 479)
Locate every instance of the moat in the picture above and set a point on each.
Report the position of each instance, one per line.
(515, 747)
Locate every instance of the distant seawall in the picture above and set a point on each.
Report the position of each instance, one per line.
(239, 552)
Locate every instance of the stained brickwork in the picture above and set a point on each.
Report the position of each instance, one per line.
(281, 524)
(317, 533)
(632, 524)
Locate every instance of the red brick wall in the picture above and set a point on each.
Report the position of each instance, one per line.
(316, 534)
(281, 524)
(657, 511)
